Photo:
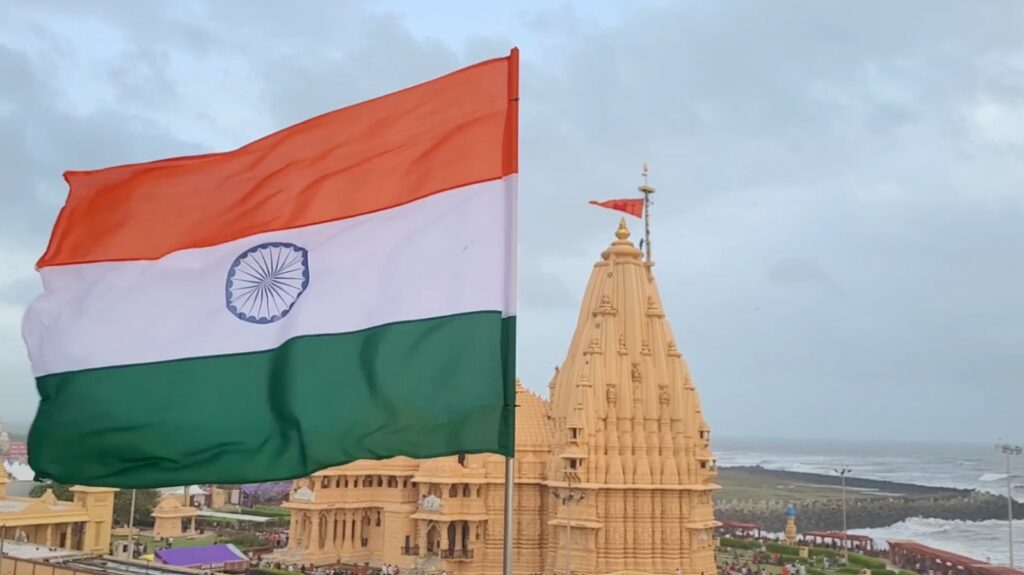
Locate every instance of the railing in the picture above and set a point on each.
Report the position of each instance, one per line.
(413, 550)
(456, 554)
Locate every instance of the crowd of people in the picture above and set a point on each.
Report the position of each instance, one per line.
(364, 569)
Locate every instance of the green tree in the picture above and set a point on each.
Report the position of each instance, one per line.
(62, 492)
(145, 502)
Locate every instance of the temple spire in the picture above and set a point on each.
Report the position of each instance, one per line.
(646, 190)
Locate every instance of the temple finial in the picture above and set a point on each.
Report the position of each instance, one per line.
(623, 232)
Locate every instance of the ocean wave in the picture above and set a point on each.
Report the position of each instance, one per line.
(932, 470)
(982, 540)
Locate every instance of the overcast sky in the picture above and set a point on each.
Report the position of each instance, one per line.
(839, 227)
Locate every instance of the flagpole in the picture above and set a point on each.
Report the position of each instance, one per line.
(511, 164)
(647, 191)
(506, 559)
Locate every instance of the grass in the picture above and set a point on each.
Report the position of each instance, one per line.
(747, 483)
(744, 484)
(790, 554)
(267, 511)
(179, 542)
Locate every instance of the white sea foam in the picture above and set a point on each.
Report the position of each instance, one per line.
(965, 466)
(983, 540)
(955, 465)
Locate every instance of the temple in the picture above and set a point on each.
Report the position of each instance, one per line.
(612, 473)
(83, 524)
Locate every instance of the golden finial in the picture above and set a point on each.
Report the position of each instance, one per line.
(623, 232)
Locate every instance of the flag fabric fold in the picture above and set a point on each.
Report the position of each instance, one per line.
(631, 206)
(342, 289)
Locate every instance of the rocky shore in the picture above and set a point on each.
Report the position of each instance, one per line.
(757, 495)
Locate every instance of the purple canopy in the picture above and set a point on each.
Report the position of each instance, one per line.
(207, 555)
(273, 488)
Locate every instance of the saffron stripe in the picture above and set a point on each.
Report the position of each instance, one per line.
(454, 131)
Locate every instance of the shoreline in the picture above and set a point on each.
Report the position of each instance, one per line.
(753, 494)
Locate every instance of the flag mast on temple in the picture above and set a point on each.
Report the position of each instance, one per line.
(647, 190)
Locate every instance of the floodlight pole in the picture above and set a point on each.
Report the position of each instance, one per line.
(843, 472)
(1009, 450)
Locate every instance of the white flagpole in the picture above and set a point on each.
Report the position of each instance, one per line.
(506, 563)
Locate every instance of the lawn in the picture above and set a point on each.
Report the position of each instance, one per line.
(179, 542)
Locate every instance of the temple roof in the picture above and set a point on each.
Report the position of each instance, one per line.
(533, 428)
(623, 371)
(170, 506)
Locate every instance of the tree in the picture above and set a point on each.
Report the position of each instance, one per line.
(60, 491)
(145, 502)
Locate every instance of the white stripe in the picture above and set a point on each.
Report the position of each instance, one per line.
(446, 254)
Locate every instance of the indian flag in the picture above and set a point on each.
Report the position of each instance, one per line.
(342, 289)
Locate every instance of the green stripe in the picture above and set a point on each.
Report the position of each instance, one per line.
(422, 388)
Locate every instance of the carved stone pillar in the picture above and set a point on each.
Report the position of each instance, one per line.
(332, 534)
(313, 541)
(293, 530)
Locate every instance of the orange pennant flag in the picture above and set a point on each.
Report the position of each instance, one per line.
(633, 207)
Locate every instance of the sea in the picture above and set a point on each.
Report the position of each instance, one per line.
(963, 465)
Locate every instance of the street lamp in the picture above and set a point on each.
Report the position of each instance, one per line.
(131, 528)
(843, 472)
(567, 498)
(1009, 450)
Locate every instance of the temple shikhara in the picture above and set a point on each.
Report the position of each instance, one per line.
(613, 472)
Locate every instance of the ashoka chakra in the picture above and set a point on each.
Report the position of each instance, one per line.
(265, 281)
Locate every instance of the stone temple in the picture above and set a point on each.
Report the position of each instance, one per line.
(613, 472)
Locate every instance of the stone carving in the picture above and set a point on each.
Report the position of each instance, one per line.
(431, 504)
(303, 494)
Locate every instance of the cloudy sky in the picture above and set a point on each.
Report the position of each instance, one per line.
(839, 227)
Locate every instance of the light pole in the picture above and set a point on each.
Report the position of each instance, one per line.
(843, 472)
(131, 528)
(567, 498)
(1009, 450)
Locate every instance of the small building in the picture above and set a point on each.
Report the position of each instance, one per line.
(190, 495)
(911, 555)
(80, 525)
(169, 518)
(738, 529)
(207, 558)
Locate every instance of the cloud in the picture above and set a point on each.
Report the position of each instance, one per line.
(801, 152)
(796, 271)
